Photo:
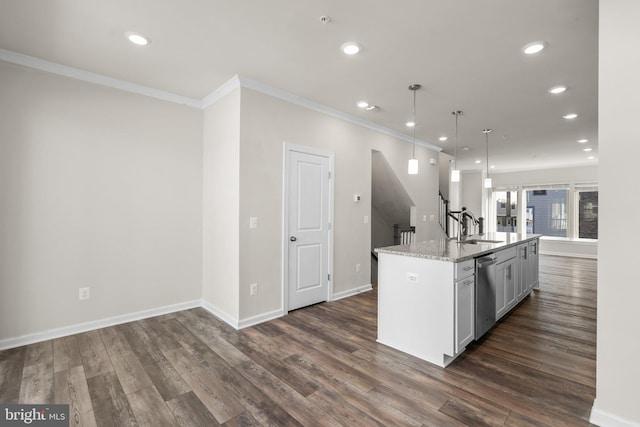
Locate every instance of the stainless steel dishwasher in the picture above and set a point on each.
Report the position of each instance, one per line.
(485, 294)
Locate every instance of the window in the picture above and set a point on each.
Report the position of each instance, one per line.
(548, 211)
(587, 202)
(506, 203)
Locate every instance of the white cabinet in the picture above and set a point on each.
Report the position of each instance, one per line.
(464, 312)
(523, 270)
(532, 265)
(505, 287)
(527, 275)
(505, 280)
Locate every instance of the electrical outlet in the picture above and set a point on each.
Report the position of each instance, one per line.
(357, 268)
(424, 218)
(253, 289)
(412, 277)
(253, 222)
(432, 217)
(366, 219)
(83, 293)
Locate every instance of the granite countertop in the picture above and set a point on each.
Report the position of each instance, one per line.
(451, 250)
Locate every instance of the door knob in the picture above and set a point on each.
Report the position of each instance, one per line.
(293, 238)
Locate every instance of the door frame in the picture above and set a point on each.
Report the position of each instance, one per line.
(287, 149)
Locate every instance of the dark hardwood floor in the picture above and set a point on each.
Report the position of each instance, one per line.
(322, 366)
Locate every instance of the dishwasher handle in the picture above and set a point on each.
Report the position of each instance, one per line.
(486, 261)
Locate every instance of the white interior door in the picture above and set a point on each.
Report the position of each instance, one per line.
(309, 198)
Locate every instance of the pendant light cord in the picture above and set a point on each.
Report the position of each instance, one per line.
(486, 135)
(414, 123)
(455, 152)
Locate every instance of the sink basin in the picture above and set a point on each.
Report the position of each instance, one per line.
(478, 241)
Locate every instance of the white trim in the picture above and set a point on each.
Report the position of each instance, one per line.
(98, 79)
(97, 324)
(221, 92)
(352, 292)
(315, 106)
(568, 254)
(260, 318)
(605, 419)
(220, 314)
(288, 148)
(207, 101)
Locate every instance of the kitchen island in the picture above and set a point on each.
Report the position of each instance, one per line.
(437, 296)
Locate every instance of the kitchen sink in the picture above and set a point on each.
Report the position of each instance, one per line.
(478, 241)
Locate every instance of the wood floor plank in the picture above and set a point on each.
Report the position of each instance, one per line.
(36, 386)
(41, 352)
(37, 380)
(70, 387)
(207, 387)
(110, 404)
(166, 379)
(130, 371)
(95, 358)
(189, 411)
(150, 409)
(11, 367)
(66, 354)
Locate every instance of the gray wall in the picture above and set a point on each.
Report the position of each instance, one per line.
(266, 123)
(221, 206)
(98, 188)
(618, 370)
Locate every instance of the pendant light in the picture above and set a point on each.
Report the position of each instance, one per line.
(487, 180)
(413, 163)
(455, 172)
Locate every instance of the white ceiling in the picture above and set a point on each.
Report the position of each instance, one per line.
(465, 53)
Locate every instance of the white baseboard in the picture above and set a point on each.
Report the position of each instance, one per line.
(220, 314)
(568, 254)
(97, 324)
(351, 292)
(260, 318)
(605, 419)
(125, 318)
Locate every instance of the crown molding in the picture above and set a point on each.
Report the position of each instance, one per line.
(233, 83)
(98, 79)
(257, 86)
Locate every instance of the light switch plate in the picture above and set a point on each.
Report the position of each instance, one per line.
(253, 222)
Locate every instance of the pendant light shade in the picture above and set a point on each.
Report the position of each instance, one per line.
(455, 172)
(487, 180)
(413, 166)
(413, 163)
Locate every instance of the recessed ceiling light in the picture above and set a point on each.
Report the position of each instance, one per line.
(138, 39)
(351, 48)
(557, 89)
(466, 148)
(443, 138)
(570, 116)
(532, 48)
(587, 149)
(410, 124)
(582, 141)
(477, 161)
(590, 158)
(362, 104)
(372, 107)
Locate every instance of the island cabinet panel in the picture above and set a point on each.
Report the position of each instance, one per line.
(465, 312)
(416, 306)
(532, 265)
(523, 270)
(505, 287)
